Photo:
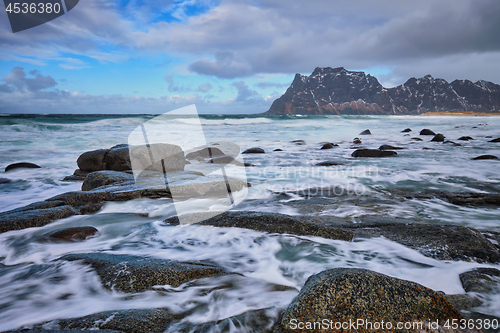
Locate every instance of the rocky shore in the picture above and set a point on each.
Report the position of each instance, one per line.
(340, 294)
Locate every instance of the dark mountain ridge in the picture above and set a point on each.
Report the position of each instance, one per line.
(339, 91)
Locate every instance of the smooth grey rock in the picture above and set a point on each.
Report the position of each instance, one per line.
(126, 273)
(92, 160)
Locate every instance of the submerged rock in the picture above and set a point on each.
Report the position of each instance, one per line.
(5, 180)
(21, 165)
(427, 131)
(485, 157)
(254, 150)
(357, 141)
(128, 321)
(465, 138)
(438, 138)
(453, 143)
(298, 142)
(389, 147)
(373, 153)
(495, 140)
(126, 273)
(366, 132)
(349, 294)
(417, 139)
(329, 145)
(278, 149)
(72, 234)
(275, 223)
(329, 163)
(481, 280)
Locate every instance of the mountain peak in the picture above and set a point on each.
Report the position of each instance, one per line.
(339, 91)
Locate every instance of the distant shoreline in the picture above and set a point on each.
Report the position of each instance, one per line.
(461, 113)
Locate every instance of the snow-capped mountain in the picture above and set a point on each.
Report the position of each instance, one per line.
(339, 91)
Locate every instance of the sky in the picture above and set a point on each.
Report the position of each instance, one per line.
(228, 56)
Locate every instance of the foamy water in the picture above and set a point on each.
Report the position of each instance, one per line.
(37, 287)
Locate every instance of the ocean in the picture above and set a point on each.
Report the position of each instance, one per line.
(36, 288)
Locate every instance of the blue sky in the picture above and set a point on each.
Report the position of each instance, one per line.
(231, 56)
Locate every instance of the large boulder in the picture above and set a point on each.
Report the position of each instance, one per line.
(351, 294)
(126, 273)
(92, 160)
(373, 153)
(118, 158)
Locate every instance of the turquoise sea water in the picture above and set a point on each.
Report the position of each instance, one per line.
(370, 187)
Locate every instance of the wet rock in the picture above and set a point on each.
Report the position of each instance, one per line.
(463, 302)
(101, 178)
(373, 153)
(118, 158)
(406, 130)
(72, 234)
(278, 149)
(126, 273)
(465, 138)
(366, 132)
(427, 131)
(77, 175)
(254, 150)
(226, 160)
(329, 163)
(443, 242)
(452, 143)
(128, 321)
(389, 147)
(357, 141)
(344, 294)
(276, 223)
(329, 145)
(417, 139)
(258, 321)
(298, 142)
(438, 138)
(485, 157)
(495, 140)
(43, 330)
(207, 152)
(92, 160)
(5, 180)
(17, 219)
(21, 165)
(467, 199)
(481, 280)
